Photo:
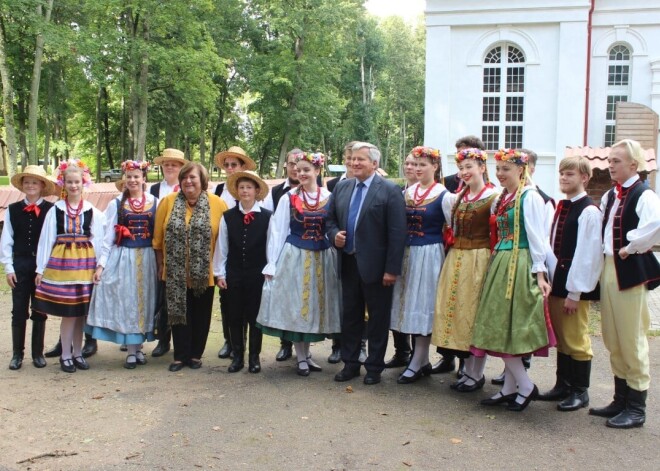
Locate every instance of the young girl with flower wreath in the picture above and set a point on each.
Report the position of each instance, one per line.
(413, 299)
(124, 299)
(71, 237)
(465, 267)
(511, 320)
(301, 295)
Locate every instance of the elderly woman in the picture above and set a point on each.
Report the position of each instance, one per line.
(185, 235)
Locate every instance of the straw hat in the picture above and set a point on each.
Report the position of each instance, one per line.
(119, 184)
(173, 155)
(39, 173)
(262, 190)
(238, 153)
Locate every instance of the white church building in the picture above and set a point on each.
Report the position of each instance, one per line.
(540, 74)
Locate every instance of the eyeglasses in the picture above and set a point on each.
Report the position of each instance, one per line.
(230, 164)
(291, 164)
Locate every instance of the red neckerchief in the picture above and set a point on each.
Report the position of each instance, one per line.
(248, 218)
(619, 190)
(32, 208)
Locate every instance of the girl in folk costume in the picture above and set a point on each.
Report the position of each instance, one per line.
(465, 267)
(66, 259)
(511, 320)
(412, 308)
(300, 300)
(18, 248)
(239, 258)
(124, 299)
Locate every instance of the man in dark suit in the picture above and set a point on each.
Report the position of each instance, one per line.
(367, 223)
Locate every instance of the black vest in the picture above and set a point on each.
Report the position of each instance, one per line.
(277, 192)
(219, 189)
(27, 227)
(246, 257)
(637, 269)
(155, 190)
(566, 221)
(86, 217)
(546, 198)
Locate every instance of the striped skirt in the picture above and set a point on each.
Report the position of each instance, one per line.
(66, 284)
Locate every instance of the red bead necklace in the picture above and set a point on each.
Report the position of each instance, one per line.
(137, 206)
(71, 212)
(467, 199)
(418, 199)
(311, 206)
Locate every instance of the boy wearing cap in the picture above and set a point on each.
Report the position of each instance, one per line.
(18, 249)
(239, 258)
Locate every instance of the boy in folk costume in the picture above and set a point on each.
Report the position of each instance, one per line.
(631, 227)
(18, 251)
(574, 239)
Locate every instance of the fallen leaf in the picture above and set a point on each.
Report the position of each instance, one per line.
(349, 389)
(406, 443)
(407, 464)
(456, 441)
(99, 396)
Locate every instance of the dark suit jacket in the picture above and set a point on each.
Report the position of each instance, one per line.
(381, 228)
(332, 183)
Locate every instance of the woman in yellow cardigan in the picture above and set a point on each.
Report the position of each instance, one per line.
(185, 234)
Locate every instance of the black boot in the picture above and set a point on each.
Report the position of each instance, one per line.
(562, 386)
(161, 349)
(446, 365)
(237, 363)
(90, 347)
(56, 351)
(38, 333)
(579, 395)
(617, 405)
(335, 356)
(18, 343)
(634, 415)
(256, 337)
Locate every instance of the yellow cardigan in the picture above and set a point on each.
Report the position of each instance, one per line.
(163, 213)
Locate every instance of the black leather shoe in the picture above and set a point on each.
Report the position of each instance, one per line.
(130, 365)
(443, 366)
(464, 388)
(313, 366)
(517, 407)
(371, 378)
(56, 351)
(409, 379)
(335, 356)
(576, 400)
(498, 399)
(161, 349)
(195, 364)
(90, 348)
(559, 392)
(176, 366)
(498, 380)
(284, 353)
(16, 361)
(80, 363)
(634, 415)
(237, 363)
(123, 347)
(254, 364)
(617, 405)
(39, 361)
(398, 361)
(347, 374)
(225, 351)
(302, 371)
(67, 365)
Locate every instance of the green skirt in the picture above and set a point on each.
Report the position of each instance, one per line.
(516, 326)
(292, 336)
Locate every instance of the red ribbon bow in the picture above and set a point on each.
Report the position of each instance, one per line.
(297, 203)
(121, 232)
(619, 190)
(176, 188)
(448, 236)
(248, 218)
(32, 208)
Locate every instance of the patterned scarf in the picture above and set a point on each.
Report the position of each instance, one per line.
(188, 250)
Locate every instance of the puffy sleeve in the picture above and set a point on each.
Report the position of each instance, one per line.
(448, 202)
(588, 258)
(46, 240)
(647, 233)
(278, 230)
(535, 225)
(109, 234)
(7, 245)
(221, 251)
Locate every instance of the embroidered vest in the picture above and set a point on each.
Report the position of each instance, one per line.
(471, 224)
(27, 227)
(141, 226)
(425, 222)
(505, 226)
(308, 228)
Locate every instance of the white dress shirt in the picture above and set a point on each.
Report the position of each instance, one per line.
(222, 244)
(7, 241)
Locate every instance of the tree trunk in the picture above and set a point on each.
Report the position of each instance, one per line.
(142, 97)
(8, 108)
(99, 132)
(46, 140)
(106, 125)
(283, 150)
(34, 88)
(22, 131)
(202, 138)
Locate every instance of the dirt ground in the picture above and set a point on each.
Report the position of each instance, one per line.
(110, 418)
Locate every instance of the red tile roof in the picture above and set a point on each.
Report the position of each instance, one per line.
(598, 156)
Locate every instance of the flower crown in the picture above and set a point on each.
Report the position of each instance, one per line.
(471, 153)
(428, 152)
(134, 165)
(512, 155)
(59, 172)
(316, 158)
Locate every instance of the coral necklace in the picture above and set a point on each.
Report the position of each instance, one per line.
(419, 199)
(467, 199)
(137, 206)
(71, 212)
(308, 205)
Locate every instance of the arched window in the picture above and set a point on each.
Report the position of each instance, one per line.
(503, 97)
(618, 87)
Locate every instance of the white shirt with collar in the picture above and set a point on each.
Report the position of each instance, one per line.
(222, 244)
(7, 241)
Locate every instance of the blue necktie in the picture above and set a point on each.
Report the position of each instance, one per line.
(352, 218)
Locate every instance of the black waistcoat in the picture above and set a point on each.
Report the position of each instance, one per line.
(27, 227)
(277, 192)
(566, 222)
(636, 269)
(247, 244)
(155, 190)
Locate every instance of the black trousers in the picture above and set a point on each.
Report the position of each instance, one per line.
(22, 296)
(224, 316)
(358, 295)
(164, 331)
(242, 301)
(190, 339)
